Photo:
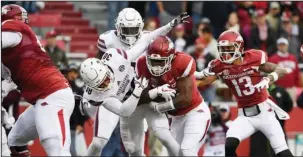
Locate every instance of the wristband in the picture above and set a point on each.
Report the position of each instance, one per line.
(275, 76)
(153, 93)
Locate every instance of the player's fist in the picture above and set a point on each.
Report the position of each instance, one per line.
(262, 84)
(84, 105)
(182, 18)
(140, 84)
(165, 92)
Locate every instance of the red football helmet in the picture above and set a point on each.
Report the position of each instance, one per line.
(15, 12)
(230, 46)
(160, 53)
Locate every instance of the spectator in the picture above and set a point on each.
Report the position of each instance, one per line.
(259, 143)
(196, 11)
(140, 6)
(233, 22)
(77, 120)
(245, 11)
(225, 114)
(114, 7)
(289, 61)
(262, 35)
(57, 55)
(219, 18)
(179, 38)
(211, 42)
(294, 41)
(150, 25)
(272, 16)
(169, 10)
(297, 26)
(202, 58)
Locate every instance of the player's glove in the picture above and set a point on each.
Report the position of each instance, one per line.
(262, 84)
(140, 84)
(7, 120)
(182, 18)
(84, 105)
(163, 91)
(204, 73)
(162, 107)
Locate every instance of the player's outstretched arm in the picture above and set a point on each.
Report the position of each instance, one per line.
(274, 71)
(142, 44)
(126, 108)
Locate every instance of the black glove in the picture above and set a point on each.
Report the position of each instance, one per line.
(182, 18)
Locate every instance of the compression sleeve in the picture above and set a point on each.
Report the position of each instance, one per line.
(10, 39)
(142, 44)
(124, 109)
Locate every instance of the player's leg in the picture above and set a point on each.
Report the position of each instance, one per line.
(159, 124)
(272, 129)
(239, 130)
(132, 132)
(22, 132)
(105, 124)
(195, 129)
(52, 122)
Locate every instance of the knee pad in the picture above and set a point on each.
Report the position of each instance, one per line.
(285, 153)
(231, 145)
(19, 151)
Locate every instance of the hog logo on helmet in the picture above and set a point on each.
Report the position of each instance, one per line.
(160, 53)
(230, 46)
(14, 12)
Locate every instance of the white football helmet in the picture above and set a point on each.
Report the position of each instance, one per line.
(129, 25)
(96, 75)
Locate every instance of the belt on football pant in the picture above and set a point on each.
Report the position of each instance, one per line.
(251, 111)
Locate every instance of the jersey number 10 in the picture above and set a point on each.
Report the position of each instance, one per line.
(249, 89)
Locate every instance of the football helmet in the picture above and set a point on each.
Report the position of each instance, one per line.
(96, 75)
(129, 25)
(230, 46)
(159, 55)
(14, 12)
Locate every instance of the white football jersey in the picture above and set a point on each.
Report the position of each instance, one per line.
(109, 39)
(123, 77)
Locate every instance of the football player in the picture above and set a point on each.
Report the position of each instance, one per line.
(241, 71)
(40, 83)
(190, 115)
(128, 33)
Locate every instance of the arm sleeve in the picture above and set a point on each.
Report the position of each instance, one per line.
(141, 45)
(10, 39)
(124, 109)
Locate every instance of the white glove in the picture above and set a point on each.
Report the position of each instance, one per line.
(164, 91)
(6, 119)
(204, 73)
(262, 84)
(140, 84)
(162, 107)
(84, 105)
(7, 86)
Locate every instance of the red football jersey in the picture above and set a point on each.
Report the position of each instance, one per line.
(182, 65)
(31, 68)
(289, 61)
(241, 78)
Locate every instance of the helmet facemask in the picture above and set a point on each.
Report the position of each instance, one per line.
(158, 65)
(106, 83)
(129, 35)
(228, 52)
